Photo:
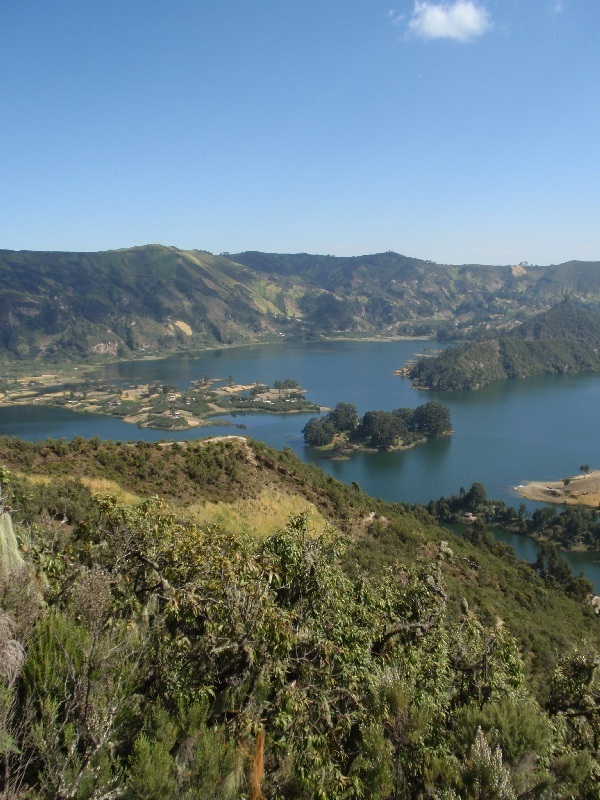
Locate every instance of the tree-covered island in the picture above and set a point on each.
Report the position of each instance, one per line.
(344, 432)
(162, 406)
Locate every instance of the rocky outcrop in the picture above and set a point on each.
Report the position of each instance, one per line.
(105, 348)
(10, 557)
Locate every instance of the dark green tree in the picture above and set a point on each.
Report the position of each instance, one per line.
(432, 419)
(550, 566)
(343, 417)
(382, 428)
(317, 433)
(476, 498)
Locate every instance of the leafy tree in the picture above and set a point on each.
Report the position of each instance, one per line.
(476, 498)
(406, 417)
(317, 432)
(432, 419)
(382, 428)
(550, 565)
(288, 383)
(343, 417)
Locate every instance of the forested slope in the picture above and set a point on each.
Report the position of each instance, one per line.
(147, 653)
(565, 339)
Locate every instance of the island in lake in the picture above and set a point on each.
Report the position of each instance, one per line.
(162, 406)
(583, 490)
(342, 432)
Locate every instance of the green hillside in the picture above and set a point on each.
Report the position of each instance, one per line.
(354, 650)
(565, 339)
(131, 302)
(154, 299)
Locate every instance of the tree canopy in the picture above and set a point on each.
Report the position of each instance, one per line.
(379, 429)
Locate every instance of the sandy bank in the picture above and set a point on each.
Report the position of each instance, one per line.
(581, 490)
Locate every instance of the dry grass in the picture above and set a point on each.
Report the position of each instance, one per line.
(103, 486)
(582, 490)
(183, 326)
(97, 486)
(259, 516)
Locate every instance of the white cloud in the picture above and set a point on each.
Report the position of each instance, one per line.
(462, 20)
(558, 6)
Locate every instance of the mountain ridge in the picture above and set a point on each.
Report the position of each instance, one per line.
(156, 299)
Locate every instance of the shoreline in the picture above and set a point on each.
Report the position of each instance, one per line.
(64, 370)
(582, 490)
(158, 408)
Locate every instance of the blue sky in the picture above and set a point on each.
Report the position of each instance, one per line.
(460, 131)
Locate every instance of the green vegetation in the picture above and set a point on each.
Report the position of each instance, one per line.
(148, 656)
(141, 301)
(574, 527)
(381, 430)
(164, 406)
(571, 529)
(565, 339)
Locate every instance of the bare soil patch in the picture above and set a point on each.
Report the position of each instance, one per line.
(581, 490)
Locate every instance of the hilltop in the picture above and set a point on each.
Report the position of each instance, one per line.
(155, 299)
(565, 339)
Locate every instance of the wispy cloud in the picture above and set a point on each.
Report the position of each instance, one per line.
(395, 17)
(558, 6)
(462, 20)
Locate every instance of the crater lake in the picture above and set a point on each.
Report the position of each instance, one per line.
(505, 434)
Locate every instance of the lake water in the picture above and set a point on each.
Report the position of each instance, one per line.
(505, 434)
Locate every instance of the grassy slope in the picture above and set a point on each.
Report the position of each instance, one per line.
(69, 302)
(245, 485)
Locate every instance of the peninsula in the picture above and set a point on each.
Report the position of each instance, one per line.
(162, 406)
(582, 490)
(563, 340)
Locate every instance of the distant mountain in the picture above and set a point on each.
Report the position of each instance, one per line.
(156, 299)
(145, 299)
(565, 339)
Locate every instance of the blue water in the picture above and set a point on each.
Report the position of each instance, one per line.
(505, 434)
